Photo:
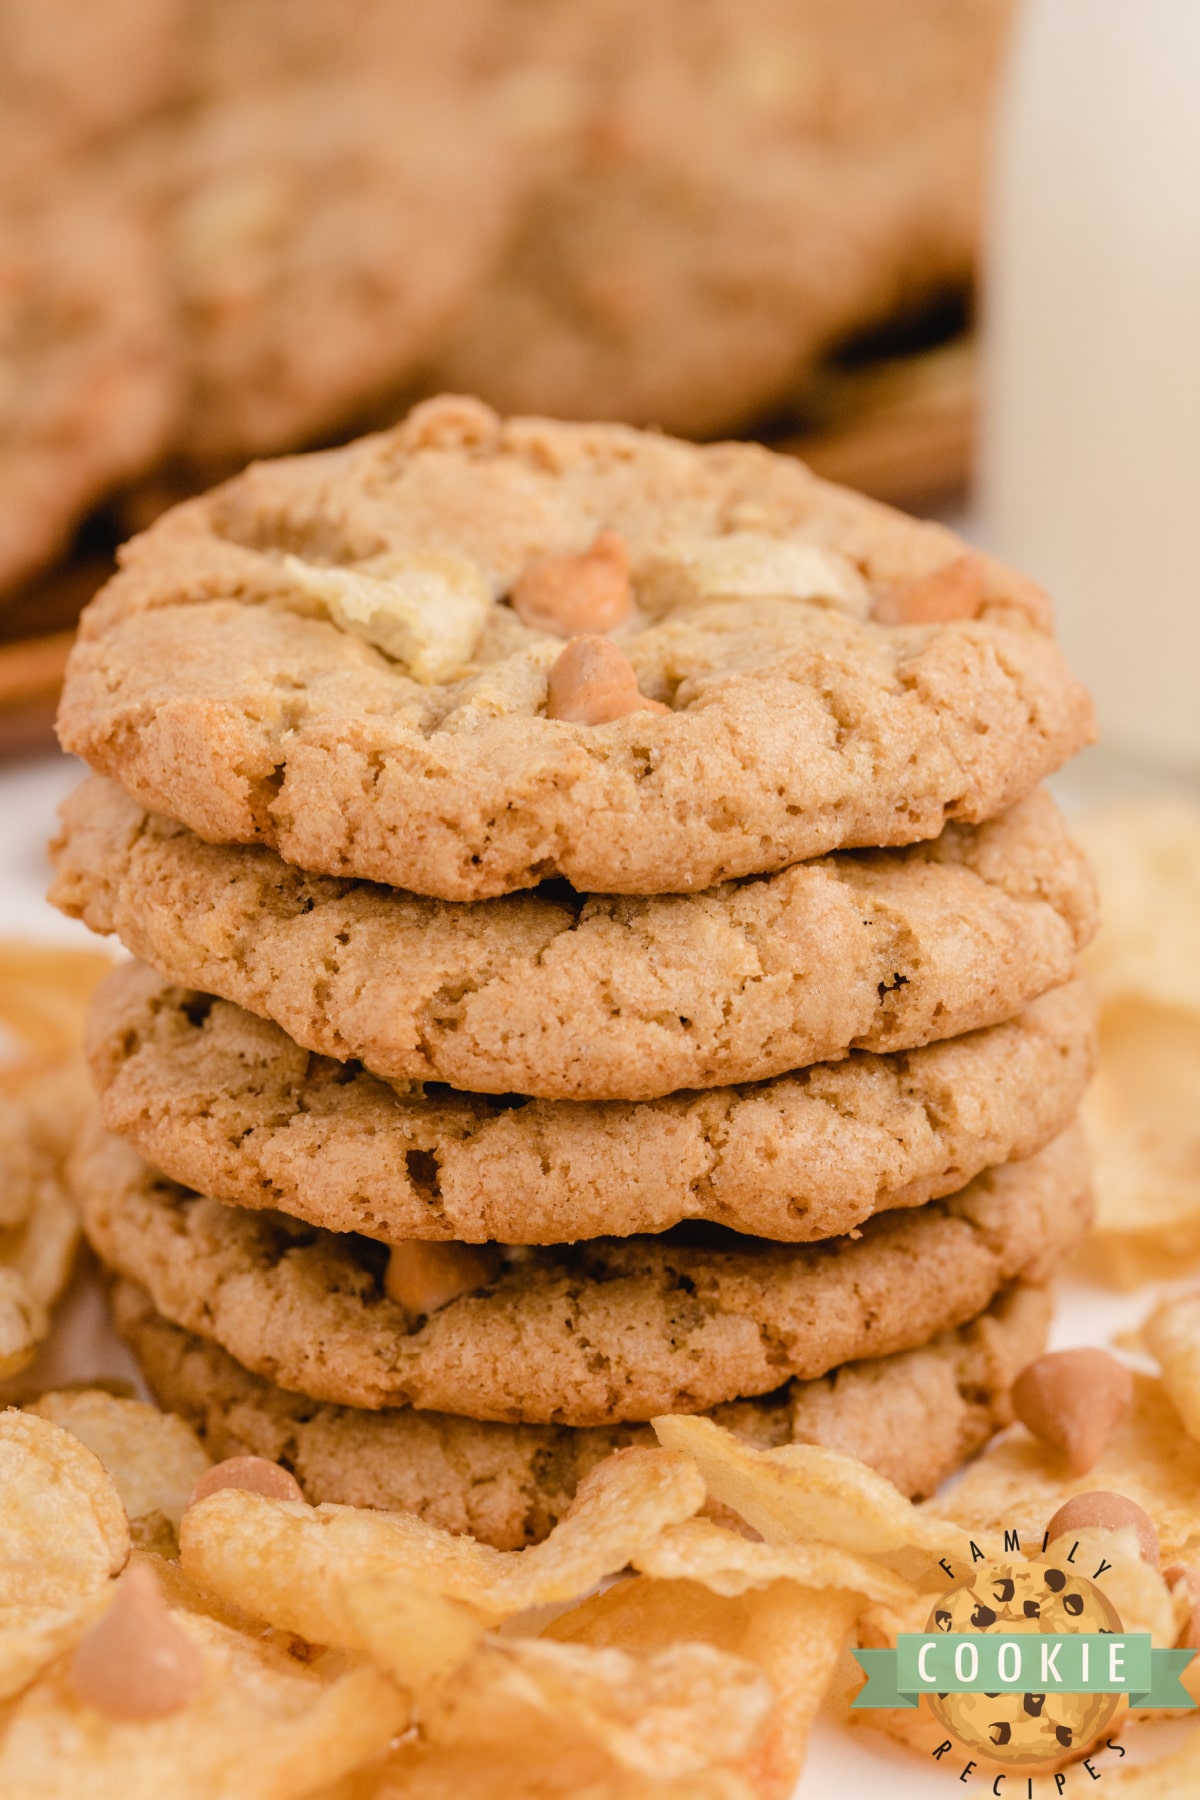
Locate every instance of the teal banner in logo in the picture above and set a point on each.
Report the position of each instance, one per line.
(964, 1662)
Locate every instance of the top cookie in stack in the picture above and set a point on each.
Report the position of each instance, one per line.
(811, 982)
(347, 656)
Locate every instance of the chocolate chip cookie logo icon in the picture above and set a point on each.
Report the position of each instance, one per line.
(1015, 1601)
(1024, 1663)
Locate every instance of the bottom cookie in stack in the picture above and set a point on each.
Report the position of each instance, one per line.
(916, 1416)
(898, 1343)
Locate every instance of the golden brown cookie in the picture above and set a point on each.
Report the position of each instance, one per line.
(562, 997)
(608, 1330)
(320, 656)
(229, 1105)
(915, 1417)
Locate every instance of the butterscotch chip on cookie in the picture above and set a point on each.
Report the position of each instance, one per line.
(216, 679)
(228, 1104)
(563, 997)
(587, 1334)
(915, 1417)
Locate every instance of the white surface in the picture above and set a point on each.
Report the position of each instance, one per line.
(842, 1766)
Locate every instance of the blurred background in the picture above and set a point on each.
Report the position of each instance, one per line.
(233, 228)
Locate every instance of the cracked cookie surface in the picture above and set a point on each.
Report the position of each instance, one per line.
(915, 1417)
(211, 678)
(562, 997)
(226, 1103)
(614, 1329)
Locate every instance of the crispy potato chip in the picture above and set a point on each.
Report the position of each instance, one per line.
(39, 1228)
(288, 1562)
(802, 1492)
(795, 1636)
(24, 1322)
(418, 1638)
(417, 1772)
(1147, 862)
(63, 1530)
(1143, 1124)
(1017, 1483)
(1172, 1778)
(730, 1564)
(153, 1457)
(1141, 1114)
(1172, 1336)
(63, 1536)
(668, 1713)
(263, 1728)
(44, 993)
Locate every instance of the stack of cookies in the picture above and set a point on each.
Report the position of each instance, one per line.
(603, 952)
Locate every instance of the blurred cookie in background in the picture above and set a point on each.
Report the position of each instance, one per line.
(88, 359)
(756, 183)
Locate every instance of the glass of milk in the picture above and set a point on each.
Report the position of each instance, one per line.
(1091, 437)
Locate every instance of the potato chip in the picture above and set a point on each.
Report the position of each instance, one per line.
(1172, 1778)
(1147, 862)
(24, 1322)
(63, 1536)
(802, 1492)
(1172, 1336)
(153, 1457)
(795, 1636)
(63, 1530)
(39, 1228)
(1143, 1125)
(730, 1564)
(288, 1562)
(418, 1638)
(668, 1713)
(263, 1728)
(44, 994)
(417, 1772)
(1142, 1118)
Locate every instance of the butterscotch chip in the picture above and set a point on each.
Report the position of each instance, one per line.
(135, 1662)
(566, 997)
(254, 1473)
(571, 595)
(958, 590)
(1102, 1511)
(593, 683)
(423, 1277)
(588, 1333)
(915, 1417)
(1073, 1400)
(206, 681)
(229, 1105)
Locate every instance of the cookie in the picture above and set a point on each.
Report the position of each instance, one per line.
(227, 1104)
(211, 678)
(755, 181)
(610, 1329)
(322, 234)
(87, 342)
(559, 997)
(915, 1417)
(72, 76)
